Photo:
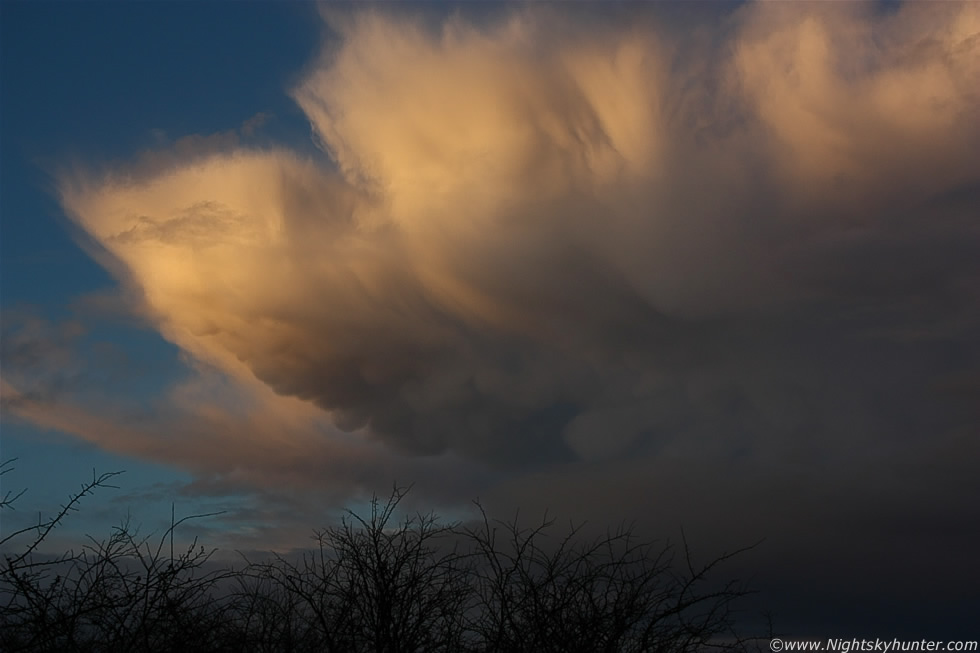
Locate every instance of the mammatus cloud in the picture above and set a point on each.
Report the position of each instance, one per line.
(541, 242)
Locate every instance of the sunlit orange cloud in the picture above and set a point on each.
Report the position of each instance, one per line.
(850, 99)
(525, 214)
(232, 440)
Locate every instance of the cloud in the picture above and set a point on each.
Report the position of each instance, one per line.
(236, 439)
(253, 124)
(539, 243)
(720, 272)
(40, 355)
(866, 105)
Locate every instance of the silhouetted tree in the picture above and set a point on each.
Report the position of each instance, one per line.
(379, 583)
(609, 593)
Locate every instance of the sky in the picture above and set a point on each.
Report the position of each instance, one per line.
(711, 267)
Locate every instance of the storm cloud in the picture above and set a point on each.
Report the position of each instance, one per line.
(535, 241)
(698, 264)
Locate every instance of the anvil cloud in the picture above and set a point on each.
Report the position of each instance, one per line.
(537, 237)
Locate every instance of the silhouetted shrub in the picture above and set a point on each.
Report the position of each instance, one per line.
(372, 583)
